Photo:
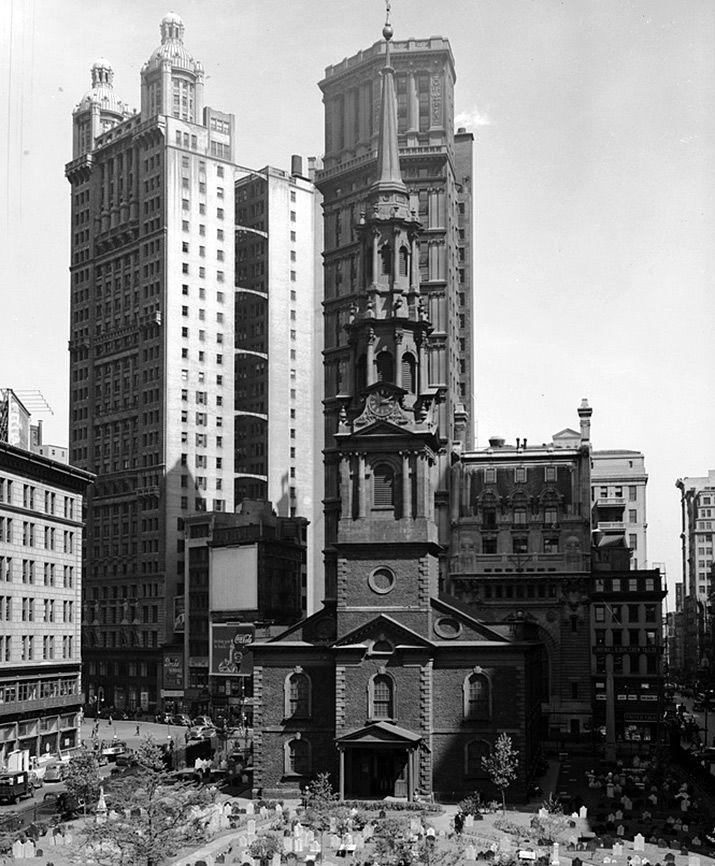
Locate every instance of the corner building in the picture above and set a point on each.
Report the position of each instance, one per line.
(392, 687)
(435, 165)
(151, 352)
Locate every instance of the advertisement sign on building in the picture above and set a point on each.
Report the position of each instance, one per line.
(230, 653)
(179, 614)
(173, 671)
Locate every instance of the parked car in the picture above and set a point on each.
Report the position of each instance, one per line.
(181, 719)
(14, 786)
(202, 732)
(112, 752)
(202, 720)
(56, 771)
(126, 759)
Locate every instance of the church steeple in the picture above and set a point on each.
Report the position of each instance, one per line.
(389, 178)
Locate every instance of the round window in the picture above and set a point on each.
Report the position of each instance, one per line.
(381, 580)
(448, 628)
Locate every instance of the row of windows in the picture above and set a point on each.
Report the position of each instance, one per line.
(32, 497)
(602, 492)
(619, 612)
(630, 584)
(35, 608)
(29, 573)
(31, 535)
(28, 648)
(382, 696)
(32, 691)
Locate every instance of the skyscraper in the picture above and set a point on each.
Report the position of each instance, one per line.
(436, 167)
(151, 351)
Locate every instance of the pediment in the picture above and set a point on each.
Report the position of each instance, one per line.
(451, 622)
(383, 628)
(381, 732)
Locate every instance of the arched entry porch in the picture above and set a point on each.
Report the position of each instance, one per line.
(378, 761)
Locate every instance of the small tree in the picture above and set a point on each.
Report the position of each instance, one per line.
(502, 764)
(154, 818)
(83, 780)
(263, 848)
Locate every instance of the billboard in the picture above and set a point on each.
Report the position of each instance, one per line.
(179, 614)
(234, 578)
(230, 652)
(173, 671)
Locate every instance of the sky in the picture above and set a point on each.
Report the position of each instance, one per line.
(594, 126)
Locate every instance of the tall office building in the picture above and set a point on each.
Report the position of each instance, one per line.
(278, 425)
(151, 351)
(618, 488)
(436, 167)
(697, 509)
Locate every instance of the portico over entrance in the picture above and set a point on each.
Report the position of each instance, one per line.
(378, 761)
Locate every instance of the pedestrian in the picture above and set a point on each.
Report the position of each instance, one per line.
(109, 720)
(137, 731)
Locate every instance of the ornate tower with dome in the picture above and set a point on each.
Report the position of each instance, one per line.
(99, 110)
(151, 359)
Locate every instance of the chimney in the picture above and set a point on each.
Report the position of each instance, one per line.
(584, 413)
(296, 165)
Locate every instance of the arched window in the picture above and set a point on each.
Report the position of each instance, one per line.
(297, 757)
(382, 697)
(383, 486)
(404, 258)
(297, 695)
(473, 754)
(385, 367)
(477, 697)
(386, 257)
(361, 374)
(409, 367)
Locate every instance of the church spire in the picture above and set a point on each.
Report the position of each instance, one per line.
(389, 178)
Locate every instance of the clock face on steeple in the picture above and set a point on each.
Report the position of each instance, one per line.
(381, 403)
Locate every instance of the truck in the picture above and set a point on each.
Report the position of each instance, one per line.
(14, 786)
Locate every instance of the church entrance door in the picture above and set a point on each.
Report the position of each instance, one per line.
(379, 772)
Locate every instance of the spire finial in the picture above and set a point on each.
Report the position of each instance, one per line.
(387, 30)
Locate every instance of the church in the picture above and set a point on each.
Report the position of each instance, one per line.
(460, 578)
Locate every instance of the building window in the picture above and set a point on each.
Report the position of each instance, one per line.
(520, 475)
(382, 695)
(520, 544)
(297, 757)
(632, 515)
(409, 367)
(383, 486)
(385, 367)
(477, 697)
(297, 696)
(474, 752)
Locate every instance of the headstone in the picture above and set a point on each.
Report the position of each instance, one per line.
(29, 849)
(469, 822)
(620, 830)
(243, 841)
(333, 840)
(279, 809)
(251, 827)
(288, 844)
(359, 841)
(618, 850)
(639, 842)
(276, 861)
(555, 854)
(415, 825)
(250, 808)
(18, 850)
(583, 812)
(636, 861)
(333, 824)
(470, 853)
(543, 813)
(263, 812)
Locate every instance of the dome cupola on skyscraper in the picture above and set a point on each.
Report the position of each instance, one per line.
(99, 109)
(172, 81)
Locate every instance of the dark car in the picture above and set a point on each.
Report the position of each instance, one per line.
(181, 719)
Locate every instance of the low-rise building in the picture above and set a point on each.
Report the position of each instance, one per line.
(41, 529)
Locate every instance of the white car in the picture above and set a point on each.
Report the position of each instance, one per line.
(202, 732)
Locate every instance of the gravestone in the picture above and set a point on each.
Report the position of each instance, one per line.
(620, 830)
(288, 844)
(555, 854)
(276, 861)
(639, 842)
(470, 853)
(250, 808)
(359, 841)
(251, 827)
(618, 850)
(469, 822)
(583, 812)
